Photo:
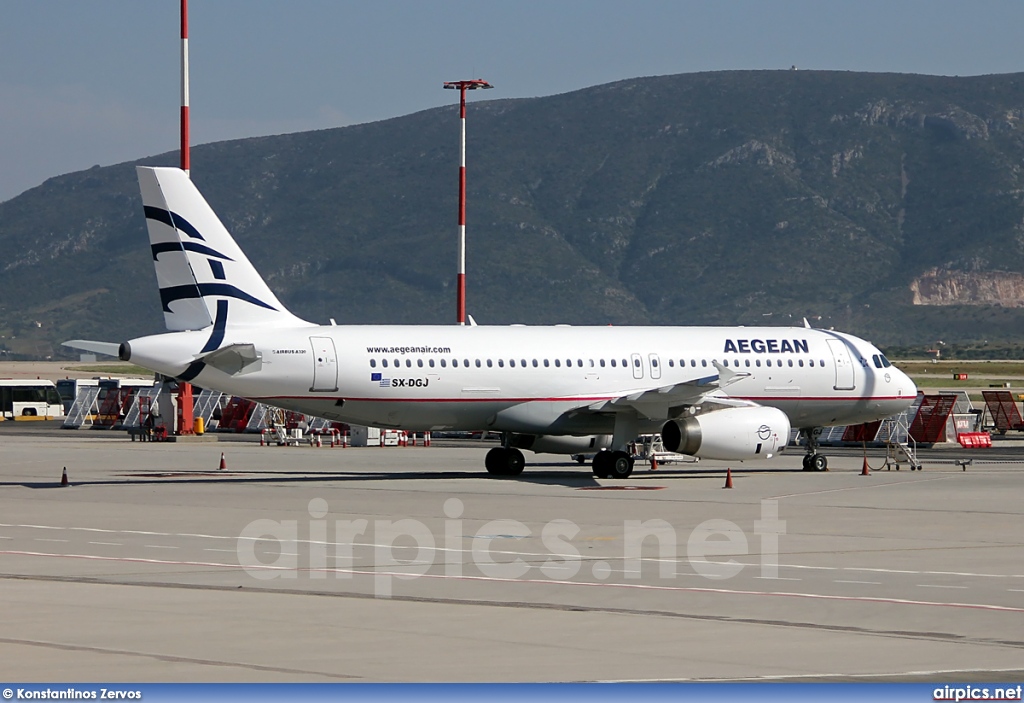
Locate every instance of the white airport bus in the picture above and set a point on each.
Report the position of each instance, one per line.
(69, 388)
(23, 398)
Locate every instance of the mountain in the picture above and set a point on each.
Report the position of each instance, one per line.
(886, 205)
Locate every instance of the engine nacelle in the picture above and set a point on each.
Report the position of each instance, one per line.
(561, 444)
(730, 434)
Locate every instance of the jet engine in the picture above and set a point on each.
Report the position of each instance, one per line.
(729, 434)
(561, 444)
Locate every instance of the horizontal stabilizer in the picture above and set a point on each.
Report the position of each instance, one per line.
(108, 348)
(235, 359)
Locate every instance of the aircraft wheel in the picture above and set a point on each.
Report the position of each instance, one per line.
(502, 461)
(819, 462)
(621, 465)
(807, 462)
(514, 463)
(495, 460)
(602, 462)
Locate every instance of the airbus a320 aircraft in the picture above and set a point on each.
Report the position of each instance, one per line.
(715, 392)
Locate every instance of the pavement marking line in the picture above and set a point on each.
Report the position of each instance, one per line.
(108, 544)
(519, 553)
(50, 539)
(786, 677)
(159, 546)
(862, 488)
(935, 585)
(549, 582)
(868, 583)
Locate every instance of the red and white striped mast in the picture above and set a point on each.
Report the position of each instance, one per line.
(184, 86)
(185, 405)
(460, 282)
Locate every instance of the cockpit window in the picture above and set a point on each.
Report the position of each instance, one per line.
(885, 362)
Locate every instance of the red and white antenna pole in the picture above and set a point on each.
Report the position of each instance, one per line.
(460, 281)
(184, 86)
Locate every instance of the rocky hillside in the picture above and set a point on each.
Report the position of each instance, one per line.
(882, 204)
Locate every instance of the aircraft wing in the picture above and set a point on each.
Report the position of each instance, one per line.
(658, 403)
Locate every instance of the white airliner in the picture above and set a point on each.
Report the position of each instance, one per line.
(715, 392)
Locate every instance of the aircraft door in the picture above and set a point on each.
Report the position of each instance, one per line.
(638, 366)
(325, 365)
(844, 366)
(655, 363)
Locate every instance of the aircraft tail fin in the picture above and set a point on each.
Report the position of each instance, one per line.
(204, 277)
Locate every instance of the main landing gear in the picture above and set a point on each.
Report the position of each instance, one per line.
(613, 464)
(504, 461)
(813, 461)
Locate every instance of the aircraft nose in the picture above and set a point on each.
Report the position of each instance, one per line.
(906, 385)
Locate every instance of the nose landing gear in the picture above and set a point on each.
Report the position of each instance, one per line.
(813, 461)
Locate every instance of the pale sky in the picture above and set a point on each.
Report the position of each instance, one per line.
(97, 81)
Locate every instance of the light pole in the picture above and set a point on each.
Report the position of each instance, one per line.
(460, 281)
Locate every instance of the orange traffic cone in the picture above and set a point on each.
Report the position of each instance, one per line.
(64, 477)
(223, 464)
(654, 463)
(865, 471)
(728, 478)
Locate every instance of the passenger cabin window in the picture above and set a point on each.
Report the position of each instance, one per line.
(478, 363)
(534, 363)
(501, 363)
(602, 363)
(431, 363)
(672, 363)
(373, 363)
(419, 363)
(624, 364)
(455, 363)
(613, 363)
(704, 362)
(444, 364)
(384, 363)
(558, 363)
(408, 363)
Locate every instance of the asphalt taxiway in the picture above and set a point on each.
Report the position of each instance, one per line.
(412, 564)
